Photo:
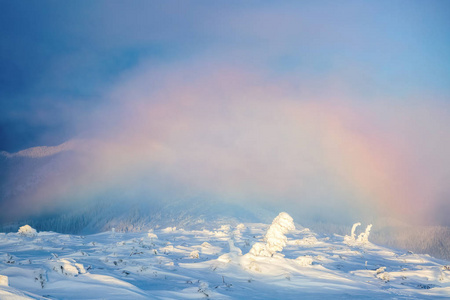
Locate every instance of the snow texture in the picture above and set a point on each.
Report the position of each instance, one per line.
(187, 263)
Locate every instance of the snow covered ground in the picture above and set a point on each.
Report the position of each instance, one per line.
(177, 263)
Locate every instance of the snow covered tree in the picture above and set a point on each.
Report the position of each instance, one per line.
(353, 230)
(362, 237)
(275, 239)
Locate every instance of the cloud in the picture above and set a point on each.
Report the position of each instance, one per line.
(231, 134)
(238, 134)
(313, 107)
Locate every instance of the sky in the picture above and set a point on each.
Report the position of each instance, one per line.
(345, 104)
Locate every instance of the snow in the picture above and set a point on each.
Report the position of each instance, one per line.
(3, 280)
(363, 237)
(275, 236)
(215, 263)
(354, 229)
(27, 230)
(152, 235)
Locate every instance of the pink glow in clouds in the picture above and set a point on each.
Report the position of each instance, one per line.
(237, 136)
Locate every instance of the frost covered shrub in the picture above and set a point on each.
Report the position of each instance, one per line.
(68, 267)
(194, 254)
(169, 229)
(260, 249)
(225, 228)
(382, 274)
(151, 235)
(310, 240)
(304, 261)
(275, 236)
(4, 280)
(353, 230)
(240, 227)
(27, 230)
(362, 237)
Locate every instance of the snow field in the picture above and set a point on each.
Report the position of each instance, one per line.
(215, 263)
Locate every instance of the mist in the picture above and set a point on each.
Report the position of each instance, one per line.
(335, 113)
(232, 135)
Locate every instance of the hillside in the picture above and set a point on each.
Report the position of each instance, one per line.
(216, 263)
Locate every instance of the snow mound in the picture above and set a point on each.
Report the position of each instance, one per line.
(27, 230)
(68, 267)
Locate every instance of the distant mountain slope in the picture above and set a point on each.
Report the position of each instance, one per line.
(24, 175)
(42, 151)
(46, 186)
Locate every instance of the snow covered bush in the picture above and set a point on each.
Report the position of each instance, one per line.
(275, 239)
(151, 235)
(169, 229)
(206, 245)
(362, 237)
(260, 249)
(382, 274)
(40, 276)
(238, 230)
(304, 261)
(4, 280)
(225, 228)
(309, 240)
(353, 230)
(203, 288)
(27, 230)
(68, 267)
(240, 227)
(194, 254)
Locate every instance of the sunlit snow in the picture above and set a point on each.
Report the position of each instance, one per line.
(216, 263)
